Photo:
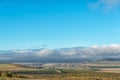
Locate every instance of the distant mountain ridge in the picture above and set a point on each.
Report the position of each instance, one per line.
(110, 59)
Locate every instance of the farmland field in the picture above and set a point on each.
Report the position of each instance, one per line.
(12, 67)
(13, 72)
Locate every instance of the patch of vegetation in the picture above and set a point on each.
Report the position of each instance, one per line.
(59, 74)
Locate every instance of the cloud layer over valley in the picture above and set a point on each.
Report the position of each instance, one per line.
(79, 53)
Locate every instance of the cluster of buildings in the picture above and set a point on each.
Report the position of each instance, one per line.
(52, 65)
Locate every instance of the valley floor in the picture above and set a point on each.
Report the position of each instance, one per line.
(93, 72)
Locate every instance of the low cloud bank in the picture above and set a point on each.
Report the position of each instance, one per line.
(93, 52)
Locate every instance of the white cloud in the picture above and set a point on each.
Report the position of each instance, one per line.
(5, 58)
(104, 4)
(115, 45)
(95, 46)
(45, 52)
(92, 52)
(70, 52)
(109, 50)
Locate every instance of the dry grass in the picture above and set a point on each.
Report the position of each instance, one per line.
(110, 70)
(12, 67)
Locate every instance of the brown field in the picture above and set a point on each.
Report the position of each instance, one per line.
(12, 67)
(56, 74)
(110, 70)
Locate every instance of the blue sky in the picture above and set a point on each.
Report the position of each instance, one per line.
(58, 23)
